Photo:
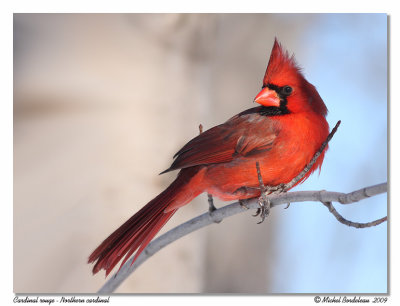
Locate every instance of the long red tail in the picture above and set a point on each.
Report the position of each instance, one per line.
(140, 229)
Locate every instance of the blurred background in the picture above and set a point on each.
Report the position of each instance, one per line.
(103, 101)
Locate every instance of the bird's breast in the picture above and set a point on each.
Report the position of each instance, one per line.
(299, 138)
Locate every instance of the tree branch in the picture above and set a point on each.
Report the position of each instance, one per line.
(351, 223)
(233, 209)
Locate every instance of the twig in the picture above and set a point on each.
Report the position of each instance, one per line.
(230, 210)
(351, 223)
(260, 180)
(200, 128)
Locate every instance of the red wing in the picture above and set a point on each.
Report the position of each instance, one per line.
(247, 134)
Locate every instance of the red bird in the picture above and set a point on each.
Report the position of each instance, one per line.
(282, 134)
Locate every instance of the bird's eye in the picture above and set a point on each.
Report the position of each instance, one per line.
(287, 90)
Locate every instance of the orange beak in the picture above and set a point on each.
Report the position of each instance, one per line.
(267, 97)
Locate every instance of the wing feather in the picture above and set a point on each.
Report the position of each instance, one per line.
(247, 134)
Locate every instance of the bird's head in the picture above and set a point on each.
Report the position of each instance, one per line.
(285, 90)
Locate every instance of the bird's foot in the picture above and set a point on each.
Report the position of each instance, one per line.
(211, 206)
(211, 209)
(243, 204)
(264, 209)
(258, 211)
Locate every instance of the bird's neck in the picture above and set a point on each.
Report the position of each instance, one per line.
(273, 110)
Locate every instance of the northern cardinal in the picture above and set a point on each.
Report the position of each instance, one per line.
(282, 134)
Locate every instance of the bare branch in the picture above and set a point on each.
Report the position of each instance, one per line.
(260, 180)
(233, 209)
(351, 223)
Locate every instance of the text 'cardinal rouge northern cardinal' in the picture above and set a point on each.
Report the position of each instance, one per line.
(282, 134)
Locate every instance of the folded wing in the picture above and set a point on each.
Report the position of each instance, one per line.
(223, 143)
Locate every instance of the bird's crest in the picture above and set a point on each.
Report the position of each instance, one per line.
(281, 67)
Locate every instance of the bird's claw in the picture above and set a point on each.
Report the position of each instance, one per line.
(265, 207)
(257, 212)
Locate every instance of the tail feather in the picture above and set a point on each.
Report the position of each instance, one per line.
(148, 235)
(121, 233)
(137, 232)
